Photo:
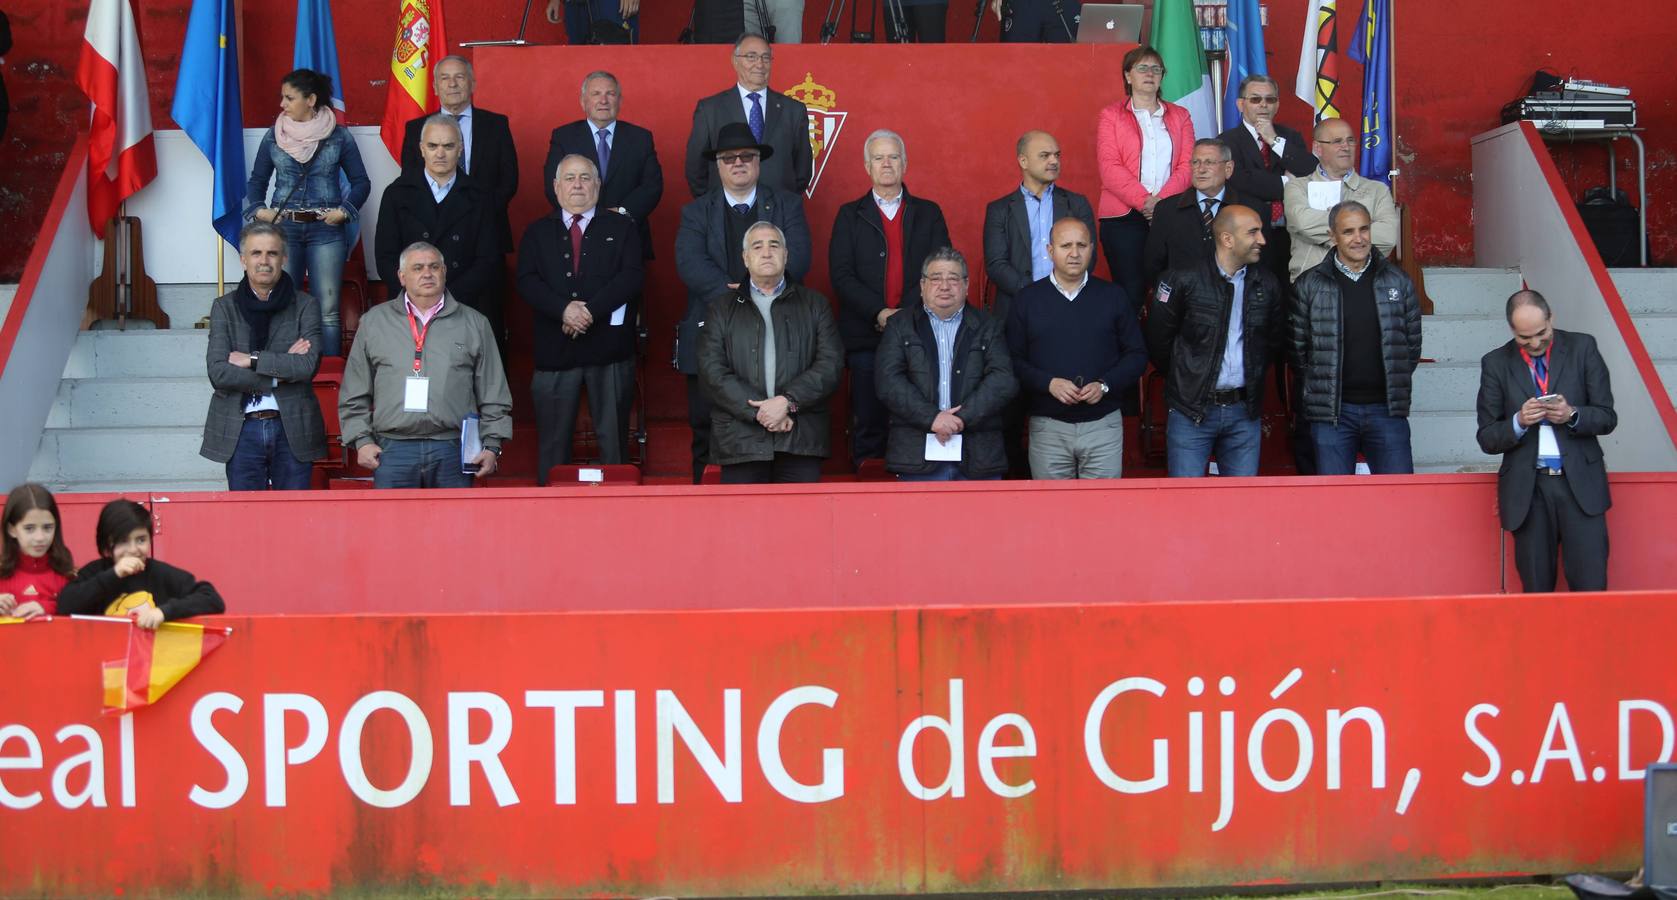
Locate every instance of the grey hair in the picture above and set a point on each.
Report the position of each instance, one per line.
(457, 58)
(944, 254)
(600, 73)
(570, 156)
(1527, 297)
(1250, 80)
(1343, 207)
(447, 121)
(748, 36)
(261, 229)
(416, 247)
(1223, 152)
(745, 242)
(902, 146)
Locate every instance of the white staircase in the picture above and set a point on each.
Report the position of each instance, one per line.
(1651, 297)
(1467, 323)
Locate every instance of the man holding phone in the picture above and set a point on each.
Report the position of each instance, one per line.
(1544, 398)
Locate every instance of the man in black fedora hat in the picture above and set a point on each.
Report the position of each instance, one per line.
(709, 251)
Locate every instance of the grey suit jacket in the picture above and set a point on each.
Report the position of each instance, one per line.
(305, 431)
(1007, 241)
(702, 256)
(785, 128)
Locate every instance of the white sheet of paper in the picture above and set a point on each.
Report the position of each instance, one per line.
(619, 314)
(591, 476)
(1546, 443)
(1324, 194)
(417, 396)
(471, 443)
(938, 451)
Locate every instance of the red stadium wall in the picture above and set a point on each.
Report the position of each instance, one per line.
(884, 751)
(1454, 71)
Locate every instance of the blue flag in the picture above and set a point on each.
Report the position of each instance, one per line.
(1245, 54)
(207, 108)
(1373, 48)
(316, 46)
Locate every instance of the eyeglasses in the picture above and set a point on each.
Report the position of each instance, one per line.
(755, 57)
(1263, 99)
(1339, 142)
(1148, 69)
(1206, 163)
(737, 158)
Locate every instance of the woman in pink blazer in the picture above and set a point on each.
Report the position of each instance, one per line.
(1139, 163)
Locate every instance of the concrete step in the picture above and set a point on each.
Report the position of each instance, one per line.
(136, 487)
(159, 453)
(1647, 290)
(1446, 439)
(7, 292)
(1446, 387)
(130, 402)
(1668, 374)
(1659, 334)
(187, 303)
(145, 353)
(1468, 291)
(1462, 339)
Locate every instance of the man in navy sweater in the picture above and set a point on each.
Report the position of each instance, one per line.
(1076, 345)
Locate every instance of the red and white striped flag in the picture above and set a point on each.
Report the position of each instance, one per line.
(121, 158)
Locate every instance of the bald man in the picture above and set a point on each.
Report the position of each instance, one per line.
(1335, 180)
(1214, 377)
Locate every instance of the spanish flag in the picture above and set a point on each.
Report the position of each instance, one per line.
(420, 45)
(157, 661)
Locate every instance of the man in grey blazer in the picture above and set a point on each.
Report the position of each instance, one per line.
(708, 258)
(264, 421)
(771, 117)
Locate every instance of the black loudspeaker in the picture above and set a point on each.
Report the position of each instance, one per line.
(1614, 226)
(1659, 843)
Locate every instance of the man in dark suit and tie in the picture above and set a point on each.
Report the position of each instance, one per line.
(1266, 157)
(631, 181)
(709, 248)
(1181, 236)
(580, 269)
(1544, 399)
(487, 156)
(443, 206)
(772, 118)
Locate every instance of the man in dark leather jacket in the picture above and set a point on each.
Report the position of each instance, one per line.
(1212, 329)
(945, 374)
(1356, 341)
(770, 358)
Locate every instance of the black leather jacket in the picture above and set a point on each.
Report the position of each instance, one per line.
(1188, 331)
(1317, 341)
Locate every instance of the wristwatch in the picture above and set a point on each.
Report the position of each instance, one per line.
(253, 357)
(494, 450)
(1105, 388)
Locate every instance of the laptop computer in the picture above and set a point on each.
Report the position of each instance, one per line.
(1110, 23)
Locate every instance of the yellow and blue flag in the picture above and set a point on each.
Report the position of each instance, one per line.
(1373, 49)
(207, 108)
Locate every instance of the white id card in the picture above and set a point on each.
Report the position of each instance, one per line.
(416, 397)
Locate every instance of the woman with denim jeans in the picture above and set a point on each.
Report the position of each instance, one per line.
(303, 154)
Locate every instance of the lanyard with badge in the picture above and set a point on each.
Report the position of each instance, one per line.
(416, 397)
(1548, 448)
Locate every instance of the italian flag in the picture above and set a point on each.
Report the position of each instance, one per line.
(1187, 81)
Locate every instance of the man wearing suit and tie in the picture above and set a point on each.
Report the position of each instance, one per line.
(1016, 226)
(580, 268)
(631, 181)
(487, 155)
(1266, 157)
(1181, 236)
(443, 206)
(773, 119)
(708, 259)
(1544, 399)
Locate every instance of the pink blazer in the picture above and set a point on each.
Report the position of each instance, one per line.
(1118, 152)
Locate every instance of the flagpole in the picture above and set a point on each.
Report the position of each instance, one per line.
(220, 267)
(1391, 80)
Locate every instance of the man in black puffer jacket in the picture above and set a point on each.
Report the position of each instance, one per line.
(1356, 340)
(1212, 328)
(945, 370)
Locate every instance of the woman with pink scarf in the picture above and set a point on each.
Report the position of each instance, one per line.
(303, 154)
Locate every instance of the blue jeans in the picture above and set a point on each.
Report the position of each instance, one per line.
(420, 464)
(263, 460)
(1226, 431)
(1382, 438)
(319, 250)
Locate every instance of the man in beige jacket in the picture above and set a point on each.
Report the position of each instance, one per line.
(1335, 180)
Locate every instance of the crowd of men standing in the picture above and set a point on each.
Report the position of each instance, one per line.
(1228, 257)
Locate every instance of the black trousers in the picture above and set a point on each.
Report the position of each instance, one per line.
(1556, 522)
(1123, 242)
(557, 396)
(923, 25)
(1037, 21)
(698, 419)
(868, 417)
(785, 468)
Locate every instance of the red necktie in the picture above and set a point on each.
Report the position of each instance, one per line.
(576, 244)
(1277, 211)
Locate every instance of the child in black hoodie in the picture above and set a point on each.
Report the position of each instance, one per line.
(125, 580)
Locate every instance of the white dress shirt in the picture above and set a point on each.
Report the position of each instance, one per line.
(1155, 147)
(888, 208)
(464, 117)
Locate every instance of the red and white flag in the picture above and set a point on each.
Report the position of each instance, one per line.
(121, 158)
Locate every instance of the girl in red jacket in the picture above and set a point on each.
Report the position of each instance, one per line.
(34, 563)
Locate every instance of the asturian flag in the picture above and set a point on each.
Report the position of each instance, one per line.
(121, 157)
(1318, 78)
(1187, 81)
(207, 108)
(1246, 53)
(1373, 49)
(420, 44)
(316, 46)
